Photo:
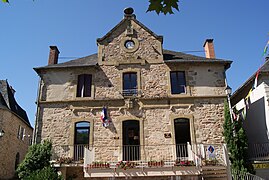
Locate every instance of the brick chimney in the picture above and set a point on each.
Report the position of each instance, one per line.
(209, 48)
(53, 55)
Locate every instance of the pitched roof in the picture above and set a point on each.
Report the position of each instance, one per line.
(168, 55)
(248, 84)
(179, 57)
(7, 101)
(90, 60)
(128, 18)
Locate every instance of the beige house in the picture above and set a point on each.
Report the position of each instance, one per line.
(15, 132)
(133, 109)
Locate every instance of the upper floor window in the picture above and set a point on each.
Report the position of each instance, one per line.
(21, 133)
(178, 82)
(84, 85)
(129, 84)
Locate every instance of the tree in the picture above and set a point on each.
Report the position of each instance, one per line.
(37, 162)
(236, 140)
(159, 6)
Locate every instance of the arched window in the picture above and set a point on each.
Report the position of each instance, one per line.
(17, 160)
(82, 133)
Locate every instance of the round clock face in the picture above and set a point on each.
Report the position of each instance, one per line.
(129, 44)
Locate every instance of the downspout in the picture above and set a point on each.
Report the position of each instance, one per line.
(37, 113)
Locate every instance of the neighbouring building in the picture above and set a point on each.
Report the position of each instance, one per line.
(251, 100)
(16, 132)
(133, 109)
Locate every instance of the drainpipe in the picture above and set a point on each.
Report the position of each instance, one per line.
(37, 113)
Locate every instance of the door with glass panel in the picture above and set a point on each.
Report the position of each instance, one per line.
(82, 134)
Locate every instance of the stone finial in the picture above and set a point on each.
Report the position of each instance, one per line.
(128, 13)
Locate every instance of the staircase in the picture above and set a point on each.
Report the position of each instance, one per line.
(214, 173)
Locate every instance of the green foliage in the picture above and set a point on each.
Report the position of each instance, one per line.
(163, 6)
(47, 173)
(236, 140)
(36, 159)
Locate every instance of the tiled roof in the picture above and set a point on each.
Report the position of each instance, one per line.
(169, 56)
(90, 60)
(7, 100)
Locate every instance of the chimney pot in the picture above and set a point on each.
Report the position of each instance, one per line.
(53, 55)
(209, 48)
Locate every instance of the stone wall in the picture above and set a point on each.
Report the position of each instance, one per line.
(206, 119)
(153, 81)
(10, 145)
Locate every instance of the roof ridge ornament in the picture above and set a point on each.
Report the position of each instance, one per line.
(128, 13)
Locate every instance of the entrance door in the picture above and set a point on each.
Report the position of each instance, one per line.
(182, 136)
(131, 140)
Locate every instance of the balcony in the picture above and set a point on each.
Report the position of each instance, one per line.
(149, 160)
(131, 92)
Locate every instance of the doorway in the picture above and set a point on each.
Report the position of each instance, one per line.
(182, 136)
(131, 140)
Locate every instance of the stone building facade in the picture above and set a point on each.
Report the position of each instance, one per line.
(17, 132)
(132, 100)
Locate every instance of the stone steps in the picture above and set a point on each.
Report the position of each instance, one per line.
(214, 172)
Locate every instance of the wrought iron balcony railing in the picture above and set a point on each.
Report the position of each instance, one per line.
(146, 155)
(258, 152)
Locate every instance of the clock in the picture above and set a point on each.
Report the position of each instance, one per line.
(129, 44)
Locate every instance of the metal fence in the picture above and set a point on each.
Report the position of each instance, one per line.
(258, 151)
(237, 175)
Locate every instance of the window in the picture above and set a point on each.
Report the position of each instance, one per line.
(84, 85)
(178, 82)
(82, 133)
(130, 84)
(21, 133)
(17, 160)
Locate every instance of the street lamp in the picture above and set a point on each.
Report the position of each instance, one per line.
(228, 91)
(2, 132)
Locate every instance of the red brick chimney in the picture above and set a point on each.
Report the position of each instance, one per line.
(209, 48)
(53, 55)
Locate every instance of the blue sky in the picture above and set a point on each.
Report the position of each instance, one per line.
(239, 28)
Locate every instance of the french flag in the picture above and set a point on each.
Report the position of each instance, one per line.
(104, 117)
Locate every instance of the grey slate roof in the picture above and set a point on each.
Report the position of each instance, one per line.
(7, 101)
(169, 56)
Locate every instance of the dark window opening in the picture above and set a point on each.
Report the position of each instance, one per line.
(84, 85)
(17, 160)
(182, 136)
(178, 82)
(130, 84)
(131, 140)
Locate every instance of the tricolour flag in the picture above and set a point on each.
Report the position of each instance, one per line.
(104, 117)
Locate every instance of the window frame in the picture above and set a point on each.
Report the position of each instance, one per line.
(178, 84)
(77, 128)
(80, 86)
(133, 91)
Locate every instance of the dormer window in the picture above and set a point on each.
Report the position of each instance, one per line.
(84, 85)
